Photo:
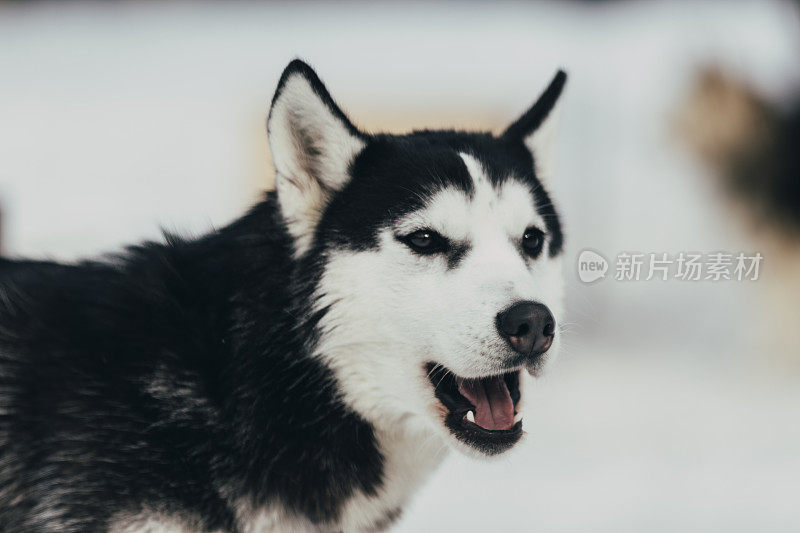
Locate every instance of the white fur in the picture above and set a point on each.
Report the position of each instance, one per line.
(541, 143)
(391, 311)
(410, 454)
(305, 181)
(270, 519)
(151, 521)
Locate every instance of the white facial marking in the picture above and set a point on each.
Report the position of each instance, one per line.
(391, 311)
(497, 214)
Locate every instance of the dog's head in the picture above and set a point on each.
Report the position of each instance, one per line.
(438, 278)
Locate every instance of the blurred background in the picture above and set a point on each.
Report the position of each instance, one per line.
(675, 406)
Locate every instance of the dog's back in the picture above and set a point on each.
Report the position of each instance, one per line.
(93, 374)
(129, 394)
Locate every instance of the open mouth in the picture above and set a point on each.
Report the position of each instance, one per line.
(481, 412)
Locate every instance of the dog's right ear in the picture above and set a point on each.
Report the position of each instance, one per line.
(313, 144)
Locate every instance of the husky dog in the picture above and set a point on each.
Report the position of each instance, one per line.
(303, 368)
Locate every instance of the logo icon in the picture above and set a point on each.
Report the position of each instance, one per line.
(591, 266)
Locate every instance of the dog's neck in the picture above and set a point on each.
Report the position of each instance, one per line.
(411, 454)
(283, 415)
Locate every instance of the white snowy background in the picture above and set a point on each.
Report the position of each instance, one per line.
(669, 410)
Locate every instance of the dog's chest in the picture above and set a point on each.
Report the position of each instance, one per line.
(409, 459)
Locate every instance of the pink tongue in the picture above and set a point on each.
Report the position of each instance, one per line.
(493, 406)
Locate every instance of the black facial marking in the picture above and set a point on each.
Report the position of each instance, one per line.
(456, 254)
(425, 242)
(391, 177)
(398, 174)
(506, 159)
(548, 211)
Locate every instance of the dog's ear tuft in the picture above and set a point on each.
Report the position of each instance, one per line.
(536, 128)
(313, 144)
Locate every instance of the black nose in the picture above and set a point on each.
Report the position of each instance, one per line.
(528, 327)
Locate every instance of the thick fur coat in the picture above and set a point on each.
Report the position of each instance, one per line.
(275, 374)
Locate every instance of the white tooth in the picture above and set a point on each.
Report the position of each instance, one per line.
(471, 416)
(517, 417)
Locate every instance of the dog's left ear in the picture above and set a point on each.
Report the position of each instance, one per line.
(537, 127)
(312, 144)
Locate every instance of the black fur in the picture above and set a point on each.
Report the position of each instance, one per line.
(536, 115)
(178, 376)
(395, 174)
(164, 377)
(299, 67)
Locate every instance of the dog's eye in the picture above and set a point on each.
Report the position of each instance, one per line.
(425, 241)
(532, 241)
